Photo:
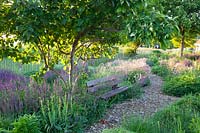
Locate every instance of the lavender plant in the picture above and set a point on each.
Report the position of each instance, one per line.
(10, 80)
(19, 94)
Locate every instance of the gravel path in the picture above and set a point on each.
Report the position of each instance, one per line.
(150, 102)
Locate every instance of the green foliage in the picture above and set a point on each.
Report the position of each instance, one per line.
(54, 114)
(94, 108)
(26, 123)
(134, 76)
(182, 84)
(164, 56)
(157, 53)
(130, 49)
(180, 116)
(137, 125)
(195, 124)
(189, 40)
(147, 25)
(82, 80)
(60, 116)
(186, 18)
(30, 73)
(5, 122)
(152, 60)
(134, 91)
(161, 70)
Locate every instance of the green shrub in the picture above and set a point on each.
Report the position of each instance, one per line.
(60, 116)
(164, 56)
(82, 80)
(138, 125)
(94, 108)
(26, 124)
(134, 76)
(5, 122)
(134, 91)
(195, 124)
(157, 53)
(181, 116)
(160, 70)
(174, 119)
(152, 60)
(129, 51)
(182, 84)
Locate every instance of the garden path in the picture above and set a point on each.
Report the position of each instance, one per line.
(150, 102)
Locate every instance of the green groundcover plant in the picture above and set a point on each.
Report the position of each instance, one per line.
(182, 84)
(161, 70)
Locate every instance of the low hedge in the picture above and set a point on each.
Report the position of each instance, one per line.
(182, 84)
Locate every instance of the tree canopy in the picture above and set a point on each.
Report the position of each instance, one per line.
(186, 14)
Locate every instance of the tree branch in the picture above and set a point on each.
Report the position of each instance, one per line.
(63, 52)
(42, 53)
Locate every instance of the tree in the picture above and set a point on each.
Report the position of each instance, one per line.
(189, 40)
(61, 31)
(149, 25)
(186, 14)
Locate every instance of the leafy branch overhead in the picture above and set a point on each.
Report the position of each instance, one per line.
(186, 14)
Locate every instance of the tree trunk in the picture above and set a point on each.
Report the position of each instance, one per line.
(72, 54)
(71, 76)
(182, 41)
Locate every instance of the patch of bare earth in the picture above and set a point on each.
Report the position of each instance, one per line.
(150, 102)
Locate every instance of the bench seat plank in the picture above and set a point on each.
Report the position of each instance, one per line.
(104, 85)
(114, 92)
(100, 81)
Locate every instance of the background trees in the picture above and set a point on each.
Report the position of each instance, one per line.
(148, 25)
(186, 14)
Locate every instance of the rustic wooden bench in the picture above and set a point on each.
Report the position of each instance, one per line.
(102, 83)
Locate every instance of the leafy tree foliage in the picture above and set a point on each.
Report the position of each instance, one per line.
(148, 25)
(186, 13)
(61, 31)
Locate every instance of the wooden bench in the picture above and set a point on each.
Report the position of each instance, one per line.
(102, 83)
